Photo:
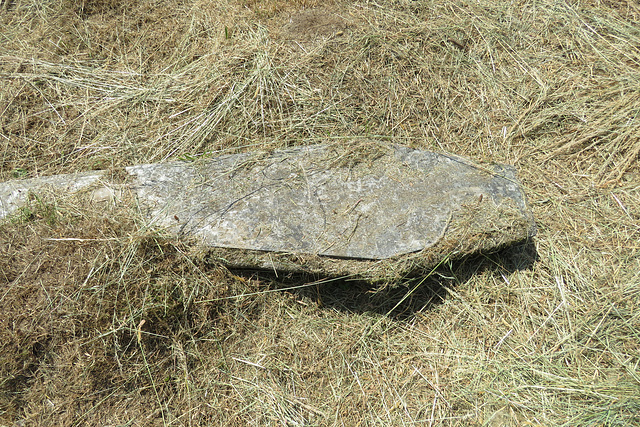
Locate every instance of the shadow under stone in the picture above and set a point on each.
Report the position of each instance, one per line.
(415, 294)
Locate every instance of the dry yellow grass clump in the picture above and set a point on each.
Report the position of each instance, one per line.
(106, 322)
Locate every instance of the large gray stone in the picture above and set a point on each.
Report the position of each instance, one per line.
(374, 211)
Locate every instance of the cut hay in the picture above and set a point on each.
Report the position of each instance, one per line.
(105, 322)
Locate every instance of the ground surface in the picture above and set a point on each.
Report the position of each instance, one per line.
(106, 322)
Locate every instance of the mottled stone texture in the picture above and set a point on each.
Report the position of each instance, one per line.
(14, 194)
(364, 210)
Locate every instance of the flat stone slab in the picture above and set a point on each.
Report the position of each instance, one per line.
(374, 211)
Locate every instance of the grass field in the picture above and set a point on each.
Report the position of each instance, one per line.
(104, 321)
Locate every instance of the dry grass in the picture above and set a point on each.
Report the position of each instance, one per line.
(122, 326)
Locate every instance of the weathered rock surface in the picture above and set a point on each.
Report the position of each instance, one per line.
(14, 194)
(377, 212)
